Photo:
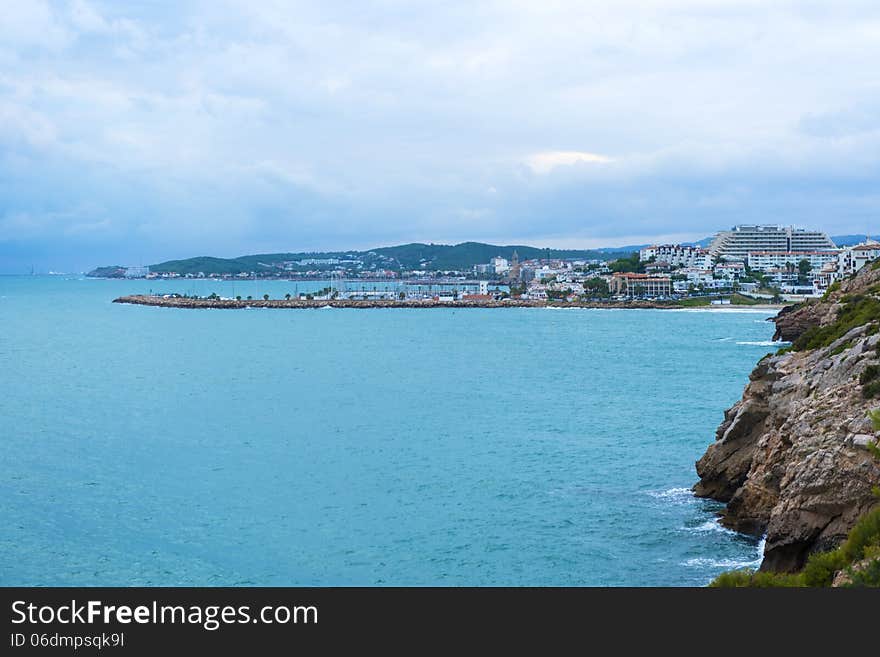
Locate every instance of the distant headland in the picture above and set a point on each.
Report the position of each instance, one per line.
(747, 264)
(380, 261)
(416, 256)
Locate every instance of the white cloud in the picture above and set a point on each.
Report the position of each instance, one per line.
(32, 24)
(542, 163)
(382, 123)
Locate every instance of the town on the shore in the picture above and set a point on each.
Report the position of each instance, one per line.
(746, 264)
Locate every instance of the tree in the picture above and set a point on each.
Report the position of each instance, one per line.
(596, 287)
(628, 264)
(401, 296)
(804, 269)
(238, 298)
(287, 296)
(559, 294)
(265, 297)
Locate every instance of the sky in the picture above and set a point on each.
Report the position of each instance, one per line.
(139, 131)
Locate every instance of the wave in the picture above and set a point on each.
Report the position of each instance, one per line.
(713, 525)
(728, 310)
(578, 308)
(765, 343)
(761, 545)
(707, 562)
(678, 495)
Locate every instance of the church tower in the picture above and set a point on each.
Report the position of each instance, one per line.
(514, 267)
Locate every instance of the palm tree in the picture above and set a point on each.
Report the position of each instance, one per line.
(287, 296)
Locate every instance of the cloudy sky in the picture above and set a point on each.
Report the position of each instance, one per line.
(132, 132)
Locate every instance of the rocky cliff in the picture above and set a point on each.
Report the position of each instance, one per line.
(791, 458)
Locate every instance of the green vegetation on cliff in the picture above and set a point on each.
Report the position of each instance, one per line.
(858, 559)
(856, 310)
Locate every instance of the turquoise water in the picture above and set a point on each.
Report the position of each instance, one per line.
(152, 446)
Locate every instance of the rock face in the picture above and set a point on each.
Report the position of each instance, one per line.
(790, 458)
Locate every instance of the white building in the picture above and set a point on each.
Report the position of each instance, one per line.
(677, 255)
(730, 271)
(781, 275)
(697, 276)
(500, 265)
(136, 272)
(739, 241)
(639, 285)
(546, 272)
(854, 258)
(764, 260)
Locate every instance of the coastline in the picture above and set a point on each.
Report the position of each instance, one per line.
(794, 459)
(300, 304)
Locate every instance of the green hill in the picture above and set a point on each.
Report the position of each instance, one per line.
(405, 256)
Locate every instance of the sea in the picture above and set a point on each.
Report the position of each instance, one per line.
(520, 446)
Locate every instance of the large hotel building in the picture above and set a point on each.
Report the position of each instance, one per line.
(738, 242)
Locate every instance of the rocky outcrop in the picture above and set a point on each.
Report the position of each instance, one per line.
(790, 458)
(793, 321)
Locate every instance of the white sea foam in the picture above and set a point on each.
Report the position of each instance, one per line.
(713, 525)
(761, 545)
(723, 309)
(677, 495)
(765, 343)
(707, 562)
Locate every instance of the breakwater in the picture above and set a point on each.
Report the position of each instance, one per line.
(203, 303)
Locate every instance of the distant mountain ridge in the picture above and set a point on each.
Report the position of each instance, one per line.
(850, 240)
(436, 257)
